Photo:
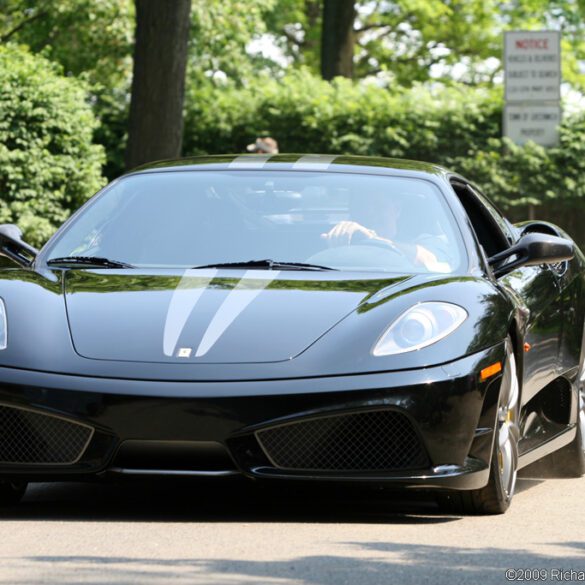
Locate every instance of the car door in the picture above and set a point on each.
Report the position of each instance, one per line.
(536, 291)
(571, 284)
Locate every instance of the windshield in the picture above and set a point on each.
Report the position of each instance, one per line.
(334, 220)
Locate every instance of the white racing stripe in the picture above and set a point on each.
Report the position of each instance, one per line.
(189, 290)
(314, 162)
(236, 301)
(250, 161)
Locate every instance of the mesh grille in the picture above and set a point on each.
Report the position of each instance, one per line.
(32, 438)
(370, 441)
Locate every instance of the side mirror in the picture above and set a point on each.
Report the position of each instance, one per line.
(532, 249)
(12, 245)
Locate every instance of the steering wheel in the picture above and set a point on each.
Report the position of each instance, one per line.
(363, 240)
(361, 256)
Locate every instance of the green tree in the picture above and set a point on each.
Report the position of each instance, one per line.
(221, 31)
(93, 39)
(87, 37)
(337, 38)
(296, 27)
(48, 164)
(158, 85)
(409, 41)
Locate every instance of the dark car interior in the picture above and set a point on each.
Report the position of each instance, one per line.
(485, 226)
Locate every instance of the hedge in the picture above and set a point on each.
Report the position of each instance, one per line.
(306, 114)
(48, 163)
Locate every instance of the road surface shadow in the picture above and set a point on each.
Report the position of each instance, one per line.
(366, 563)
(234, 501)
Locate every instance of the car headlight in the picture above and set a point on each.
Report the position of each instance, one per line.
(420, 326)
(3, 326)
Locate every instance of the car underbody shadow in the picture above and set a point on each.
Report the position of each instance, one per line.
(231, 501)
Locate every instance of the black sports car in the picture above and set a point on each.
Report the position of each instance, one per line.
(301, 318)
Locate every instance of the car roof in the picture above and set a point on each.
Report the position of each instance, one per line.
(296, 162)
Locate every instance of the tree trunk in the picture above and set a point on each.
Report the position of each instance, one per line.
(337, 40)
(158, 86)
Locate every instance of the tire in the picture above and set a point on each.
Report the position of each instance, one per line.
(496, 496)
(11, 492)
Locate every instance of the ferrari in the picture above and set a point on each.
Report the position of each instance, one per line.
(293, 318)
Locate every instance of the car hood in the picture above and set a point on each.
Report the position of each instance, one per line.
(209, 316)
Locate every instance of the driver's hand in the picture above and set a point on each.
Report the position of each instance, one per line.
(429, 260)
(424, 256)
(344, 231)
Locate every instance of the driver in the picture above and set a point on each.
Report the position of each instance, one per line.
(376, 222)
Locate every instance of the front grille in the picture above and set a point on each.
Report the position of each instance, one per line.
(381, 440)
(33, 438)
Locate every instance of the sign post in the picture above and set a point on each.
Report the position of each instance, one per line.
(532, 64)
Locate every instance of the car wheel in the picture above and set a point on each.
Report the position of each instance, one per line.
(11, 492)
(496, 496)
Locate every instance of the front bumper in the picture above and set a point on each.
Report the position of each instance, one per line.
(211, 428)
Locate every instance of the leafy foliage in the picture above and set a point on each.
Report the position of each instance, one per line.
(93, 40)
(48, 164)
(307, 114)
(221, 31)
(88, 38)
(409, 41)
(552, 180)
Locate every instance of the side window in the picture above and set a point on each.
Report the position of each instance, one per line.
(496, 215)
(491, 236)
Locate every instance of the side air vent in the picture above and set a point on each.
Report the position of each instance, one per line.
(32, 438)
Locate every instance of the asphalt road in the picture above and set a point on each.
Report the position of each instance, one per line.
(166, 533)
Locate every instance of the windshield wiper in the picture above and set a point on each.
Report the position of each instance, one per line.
(267, 263)
(88, 261)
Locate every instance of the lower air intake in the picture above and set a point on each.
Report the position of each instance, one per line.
(33, 438)
(381, 440)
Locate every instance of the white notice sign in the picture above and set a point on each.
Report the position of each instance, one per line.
(532, 63)
(538, 123)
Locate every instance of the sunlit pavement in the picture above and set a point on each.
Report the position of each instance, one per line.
(192, 533)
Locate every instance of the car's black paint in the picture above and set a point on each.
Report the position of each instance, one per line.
(103, 320)
(442, 400)
(86, 344)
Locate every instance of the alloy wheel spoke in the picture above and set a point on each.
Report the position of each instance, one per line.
(507, 465)
(505, 432)
(503, 435)
(582, 417)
